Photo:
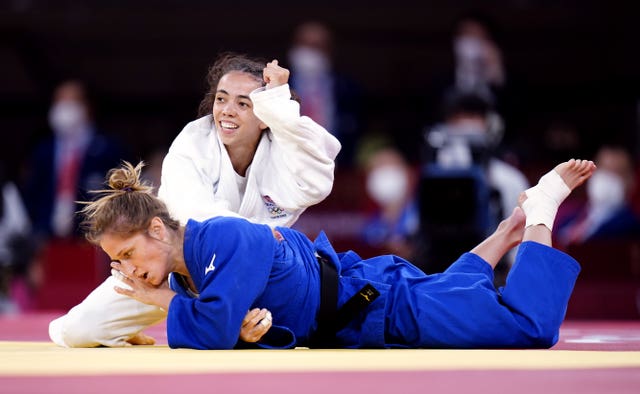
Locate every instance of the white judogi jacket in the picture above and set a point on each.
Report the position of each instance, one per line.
(292, 169)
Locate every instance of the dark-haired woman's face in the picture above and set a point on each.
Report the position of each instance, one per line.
(233, 114)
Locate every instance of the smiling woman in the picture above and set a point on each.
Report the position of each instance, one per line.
(249, 155)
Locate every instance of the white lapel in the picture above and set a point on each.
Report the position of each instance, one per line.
(227, 188)
(252, 202)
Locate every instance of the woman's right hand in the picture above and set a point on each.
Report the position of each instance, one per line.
(255, 324)
(274, 75)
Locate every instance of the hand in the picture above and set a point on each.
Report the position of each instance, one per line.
(274, 75)
(141, 339)
(116, 271)
(255, 324)
(144, 292)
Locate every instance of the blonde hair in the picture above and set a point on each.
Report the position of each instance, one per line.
(126, 207)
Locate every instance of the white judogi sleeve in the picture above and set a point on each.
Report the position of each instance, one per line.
(292, 169)
(104, 318)
(299, 171)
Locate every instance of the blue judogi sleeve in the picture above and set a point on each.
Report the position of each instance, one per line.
(229, 260)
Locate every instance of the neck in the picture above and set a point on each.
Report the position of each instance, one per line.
(179, 264)
(241, 157)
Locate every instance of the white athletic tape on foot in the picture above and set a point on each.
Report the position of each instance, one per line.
(543, 200)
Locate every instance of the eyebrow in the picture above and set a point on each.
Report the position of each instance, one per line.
(242, 96)
(121, 251)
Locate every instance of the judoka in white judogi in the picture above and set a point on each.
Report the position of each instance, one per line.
(292, 169)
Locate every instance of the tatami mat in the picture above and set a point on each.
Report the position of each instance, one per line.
(591, 357)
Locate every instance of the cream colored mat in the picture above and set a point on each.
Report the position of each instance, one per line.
(44, 358)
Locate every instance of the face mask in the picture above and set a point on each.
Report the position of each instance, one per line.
(67, 118)
(387, 184)
(605, 189)
(455, 154)
(308, 60)
(468, 48)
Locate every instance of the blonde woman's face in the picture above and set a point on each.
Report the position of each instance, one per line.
(139, 255)
(233, 114)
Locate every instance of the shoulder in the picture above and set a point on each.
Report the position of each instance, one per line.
(216, 223)
(235, 233)
(195, 132)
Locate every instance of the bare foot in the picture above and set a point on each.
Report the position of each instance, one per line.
(509, 234)
(141, 339)
(513, 227)
(540, 203)
(575, 172)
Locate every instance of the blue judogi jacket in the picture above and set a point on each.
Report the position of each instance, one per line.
(237, 265)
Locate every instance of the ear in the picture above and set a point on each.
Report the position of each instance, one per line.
(156, 228)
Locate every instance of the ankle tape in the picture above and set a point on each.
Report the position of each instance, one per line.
(543, 200)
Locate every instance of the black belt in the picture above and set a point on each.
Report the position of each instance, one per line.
(330, 319)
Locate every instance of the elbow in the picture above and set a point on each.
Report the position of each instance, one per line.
(313, 194)
(67, 331)
(543, 337)
(317, 185)
(83, 328)
(546, 340)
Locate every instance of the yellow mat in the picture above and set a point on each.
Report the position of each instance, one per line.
(45, 359)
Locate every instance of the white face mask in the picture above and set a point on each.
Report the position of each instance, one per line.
(468, 48)
(455, 154)
(308, 60)
(67, 117)
(387, 184)
(605, 189)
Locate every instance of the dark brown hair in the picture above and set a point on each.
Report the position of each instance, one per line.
(225, 63)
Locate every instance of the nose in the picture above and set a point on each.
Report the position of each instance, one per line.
(228, 108)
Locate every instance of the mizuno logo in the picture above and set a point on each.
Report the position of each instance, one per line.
(211, 267)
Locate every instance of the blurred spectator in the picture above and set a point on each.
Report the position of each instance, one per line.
(607, 212)
(479, 68)
(461, 158)
(477, 65)
(67, 164)
(14, 249)
(478, 61)
(390, 184)
(470, 135)
(327, 95)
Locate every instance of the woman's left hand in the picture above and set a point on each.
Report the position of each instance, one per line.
(274, 75)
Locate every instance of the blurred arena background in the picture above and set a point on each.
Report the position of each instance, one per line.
(573, 65)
